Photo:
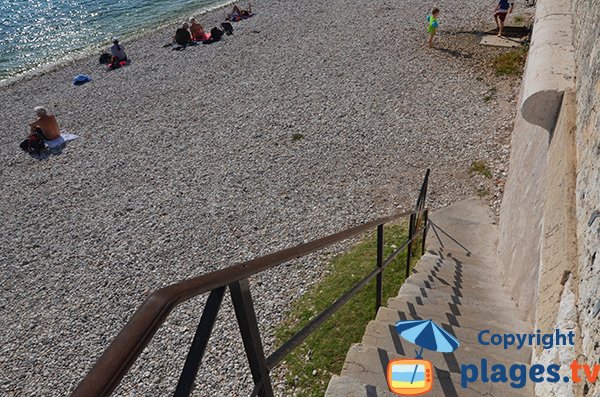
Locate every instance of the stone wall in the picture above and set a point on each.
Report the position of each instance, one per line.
(587, 44)
(550, 254)
(549, 72)
(520, 226)
(549, 251)
(558, 275)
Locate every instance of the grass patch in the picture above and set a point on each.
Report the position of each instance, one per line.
(519, 19)
(482, 191)
(511, 63)
(479, 167)
(297, 136)
(491, 94)
(325, 350)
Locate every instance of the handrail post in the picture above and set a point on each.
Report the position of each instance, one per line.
(411, 225)
(426, 184)
(379, 287)
(246, 317)
(423, 192)
(425, 220)
(196, 352)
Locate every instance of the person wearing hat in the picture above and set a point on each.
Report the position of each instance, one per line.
(118, 51)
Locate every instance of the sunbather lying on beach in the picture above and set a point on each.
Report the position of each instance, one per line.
(182, 36)
(197, 30)
(238, 14)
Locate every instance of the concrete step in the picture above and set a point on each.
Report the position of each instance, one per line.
(430, 264)
(485, 260)
(441, 299)
(439, 287)
(462, 275)
(427, 286)
(368, 364)
(350, 387)
(465, 227)
(469, 321)
(454, 311)
(480, 258)
(451, 258)
(384, 335)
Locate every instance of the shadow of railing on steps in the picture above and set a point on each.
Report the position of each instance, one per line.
(435, 229)
(124, 350)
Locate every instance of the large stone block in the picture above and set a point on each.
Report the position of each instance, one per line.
(559, 245)
(550, 68)
(521, 214)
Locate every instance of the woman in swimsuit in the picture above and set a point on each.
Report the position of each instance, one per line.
(238, 14)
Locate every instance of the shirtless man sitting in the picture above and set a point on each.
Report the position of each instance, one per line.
(46, 124)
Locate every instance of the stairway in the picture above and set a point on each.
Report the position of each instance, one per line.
(457, 284)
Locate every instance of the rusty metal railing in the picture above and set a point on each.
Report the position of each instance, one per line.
(118, 358)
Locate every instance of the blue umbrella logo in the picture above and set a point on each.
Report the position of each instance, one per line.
(427, 335)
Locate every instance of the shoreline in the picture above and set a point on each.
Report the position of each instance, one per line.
(94, 50)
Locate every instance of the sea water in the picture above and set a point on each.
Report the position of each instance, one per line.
(38, 32)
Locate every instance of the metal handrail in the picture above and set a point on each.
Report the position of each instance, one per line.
(277, 356)
(123, 351)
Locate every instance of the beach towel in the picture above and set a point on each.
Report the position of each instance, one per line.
(240, 17)
(61, 140)
(116, 64)
(179, 47)
(202, 38)
(52, 148)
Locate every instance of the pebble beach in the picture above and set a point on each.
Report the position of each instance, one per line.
(313, 117)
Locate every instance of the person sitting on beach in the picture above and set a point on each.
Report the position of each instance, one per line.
(46, 125)
(118, 51)
(238, 14)
(197, 30)
(503, 8)
(182, 36)
(118, 57)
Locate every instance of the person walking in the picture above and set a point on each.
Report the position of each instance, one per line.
(432, 24)
(503, 8)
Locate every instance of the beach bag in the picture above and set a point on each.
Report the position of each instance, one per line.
(105, 58)
(216, 34)
(34, 144)
(228, 28)
(115, 63)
